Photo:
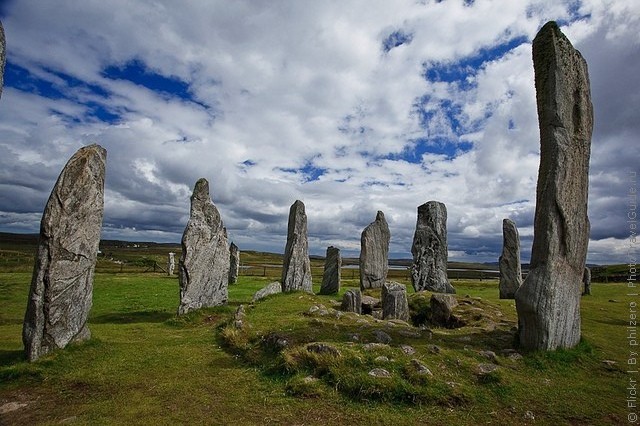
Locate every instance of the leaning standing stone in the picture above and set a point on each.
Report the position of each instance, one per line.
(374, 253)
(394, 301)
(331, 275)
(548, 302)
(510, 267)
(60, 296)
(296, 271)
(204, 263)
(429, 249)
(234, 263)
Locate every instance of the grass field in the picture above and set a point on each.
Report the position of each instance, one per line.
(145, 366)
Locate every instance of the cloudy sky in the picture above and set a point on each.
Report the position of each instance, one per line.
(349, 106)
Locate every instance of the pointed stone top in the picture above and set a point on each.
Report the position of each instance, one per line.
(93, 149)
(380, 216)
(233, 245)
(298, 204)
(506, 221)
(201, 189)
(549, 38)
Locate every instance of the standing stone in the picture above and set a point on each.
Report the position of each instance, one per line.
(61, 290)
(171, 263)
(352, 301)
(374, 253)
(548, 302)
(394, 301)
(510, 267)
(442, 309)
(331, 275)
(204, 263)
(296, 271)
(429, 249)
(234, 263)
(3, 57)
(586, 282)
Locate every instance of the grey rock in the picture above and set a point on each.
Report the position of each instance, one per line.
(442, 309)
(331, 274)
(377, 314)
(434, 349)
(429, 249)
(234, 263)
(368, 347)
(586, 282)
(548, 302)
(268, 290)
(407, 350)
(382, 337)
(374, 253)
(239, 317)
(352, 301)
(296, 271)
(380, 373)
(323, 349)
(394, 301)
(509, 262)
(485, 369)
(171, 263)
(369, 303)
(490, 355)
(3, 57)
(381, 358)
(420, 367)
(60, 295)
(204, 263)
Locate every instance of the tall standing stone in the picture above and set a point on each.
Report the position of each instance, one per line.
(509, 262)
(548, 302)
(586, 282)
(61, 290)
(171, 263)
(331, 275)
(429, 249)
(374, 253)
(3, 57)
(394, 301)
(234, 263)
(204, 263)
(296, 271)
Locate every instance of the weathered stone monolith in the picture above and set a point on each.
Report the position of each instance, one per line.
(296, 270)
(509, 262)
(586, 282)
(171, 263)
(374, 253)
(331, 275)
(548, 302)
(394, 301)
(352, 301)
(204, 263)
(234, 263)
(61, 290)
(429, 249)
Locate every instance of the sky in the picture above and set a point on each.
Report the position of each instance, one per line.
(350, 106)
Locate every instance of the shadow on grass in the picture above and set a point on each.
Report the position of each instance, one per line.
(11, 357)
(133, 317)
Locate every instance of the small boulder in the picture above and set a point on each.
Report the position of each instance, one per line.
(352, 301)
(442, 309)
(380, 373)
(268, 290)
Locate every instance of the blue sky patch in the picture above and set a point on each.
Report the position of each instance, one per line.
(138, 73)
(395, 39)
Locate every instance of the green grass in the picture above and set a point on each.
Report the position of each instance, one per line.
(145, 366)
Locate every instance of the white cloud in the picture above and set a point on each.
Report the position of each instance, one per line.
(280, 86)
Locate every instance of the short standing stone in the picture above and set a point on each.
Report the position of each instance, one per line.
(60, 296)
(234, 263)
(548, 302)
(442, 308)
(331, 275)
(429, 249)
(352, 301)
(171, 263)
(374, 253)
(510, 267)
(586, 282)
(394, 301)
(296, 271)
(204, 263)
